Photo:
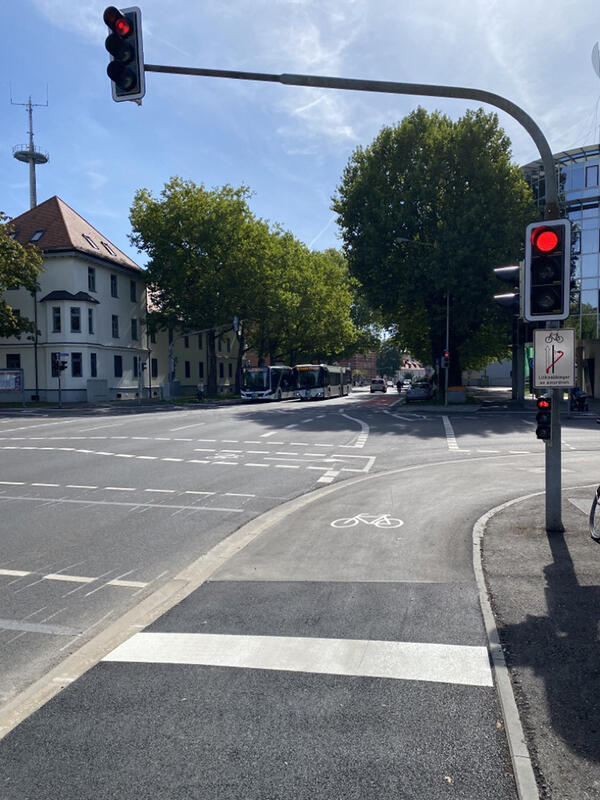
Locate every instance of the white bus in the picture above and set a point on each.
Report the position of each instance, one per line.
(320, 381)
(268, 383)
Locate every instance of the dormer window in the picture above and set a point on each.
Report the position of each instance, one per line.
(110, 250)
(90, 241)
(37, 236)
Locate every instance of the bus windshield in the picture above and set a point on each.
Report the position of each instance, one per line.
(308, 377)
(256, 378)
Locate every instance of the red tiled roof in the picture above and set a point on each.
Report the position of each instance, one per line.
(64, 229)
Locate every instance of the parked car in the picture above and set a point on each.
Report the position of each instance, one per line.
(378, 385)
(419, 391)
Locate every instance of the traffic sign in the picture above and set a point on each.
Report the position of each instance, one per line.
(554, 358)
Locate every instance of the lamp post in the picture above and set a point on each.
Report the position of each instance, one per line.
(403, 240)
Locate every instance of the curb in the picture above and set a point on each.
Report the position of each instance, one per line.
(527, 788)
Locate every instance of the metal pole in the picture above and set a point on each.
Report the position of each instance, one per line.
(551, 210)
(553, 462)
(447, 370)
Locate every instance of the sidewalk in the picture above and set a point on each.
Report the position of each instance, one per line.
(545, 593)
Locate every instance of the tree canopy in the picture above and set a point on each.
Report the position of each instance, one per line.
(211, 259)
(20, 266)
(426, 212)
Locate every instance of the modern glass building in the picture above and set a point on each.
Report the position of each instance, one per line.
(578, 181)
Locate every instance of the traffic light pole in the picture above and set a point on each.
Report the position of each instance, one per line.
(553, 461)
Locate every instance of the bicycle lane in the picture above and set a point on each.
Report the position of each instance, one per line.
(317, 662)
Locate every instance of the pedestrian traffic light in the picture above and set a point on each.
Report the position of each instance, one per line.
(445, 359)
(547, 271)
(511, 275)
(124, 43)
(543, 418)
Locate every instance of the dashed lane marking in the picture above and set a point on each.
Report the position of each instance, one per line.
(450, 437)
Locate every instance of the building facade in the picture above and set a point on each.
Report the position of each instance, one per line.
(90, 313)
(579, 187)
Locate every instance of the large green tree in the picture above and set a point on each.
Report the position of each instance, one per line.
(20, 266)
(211, 259)
(426, 212)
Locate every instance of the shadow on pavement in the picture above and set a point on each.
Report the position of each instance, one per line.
(545, 591)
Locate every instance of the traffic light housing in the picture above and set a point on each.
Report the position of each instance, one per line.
(124, 43)
(547, 273)
(544, 418)
(512, 276)
(445, 359)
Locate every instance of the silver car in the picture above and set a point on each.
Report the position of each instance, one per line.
(419, 391)
(378, 385)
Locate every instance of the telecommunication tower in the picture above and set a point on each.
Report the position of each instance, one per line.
(28, 153)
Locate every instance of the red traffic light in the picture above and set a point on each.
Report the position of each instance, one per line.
(545, 239)
(116, 21)
(543, 403)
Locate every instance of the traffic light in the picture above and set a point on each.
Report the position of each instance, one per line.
(543, 418)
(126, 68)
(511, 275)
(445, 359)
(547, 271)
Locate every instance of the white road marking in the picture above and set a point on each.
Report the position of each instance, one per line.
(79, 486)
(450, 437)
(271, 433)
(14, 573)
(440, 663)
(183, 427)
(59, 576)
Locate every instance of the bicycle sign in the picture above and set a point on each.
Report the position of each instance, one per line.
(378, 520)
(554, 358)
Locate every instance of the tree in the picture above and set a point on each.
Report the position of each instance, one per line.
(203, 257)
(20, 266)
(427, 211)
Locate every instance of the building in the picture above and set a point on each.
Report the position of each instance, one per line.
(90, 313)
(578, 181)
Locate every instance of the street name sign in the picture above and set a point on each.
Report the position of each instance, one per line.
(554, 358)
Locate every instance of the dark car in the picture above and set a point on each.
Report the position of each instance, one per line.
(419, 391)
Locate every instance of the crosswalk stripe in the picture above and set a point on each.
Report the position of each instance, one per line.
(439, 663)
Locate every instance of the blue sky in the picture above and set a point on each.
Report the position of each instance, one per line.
(288, 144)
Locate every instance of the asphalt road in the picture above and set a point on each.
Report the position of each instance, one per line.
(333, 647)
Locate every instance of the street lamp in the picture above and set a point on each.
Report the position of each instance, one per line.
(403, 240)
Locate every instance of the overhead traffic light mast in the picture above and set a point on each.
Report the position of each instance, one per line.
(124, 43)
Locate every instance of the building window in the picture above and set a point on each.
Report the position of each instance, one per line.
(13, 361)
(186, 341)
(133, 291)
(201, 369)
(93, 365)
(118, 366)
(199, 341)
(591, 175)
(154, 367)
(91, 279)
(90, 241)
(134, 329)
(90, 320)
(76, 365)
(115, 326)
(230, 369)
(221, 372)
(37, 236)
(228, 343)
(114, 288)
(135, 367)
(188, 370)
(55, 319)
(75, 319)
(108, 249)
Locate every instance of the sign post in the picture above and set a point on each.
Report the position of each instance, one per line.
(554, 369)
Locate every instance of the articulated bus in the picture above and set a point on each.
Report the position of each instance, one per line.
(268, 383)
(320, 381)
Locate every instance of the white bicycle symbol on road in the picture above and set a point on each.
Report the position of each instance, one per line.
(378, 520)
